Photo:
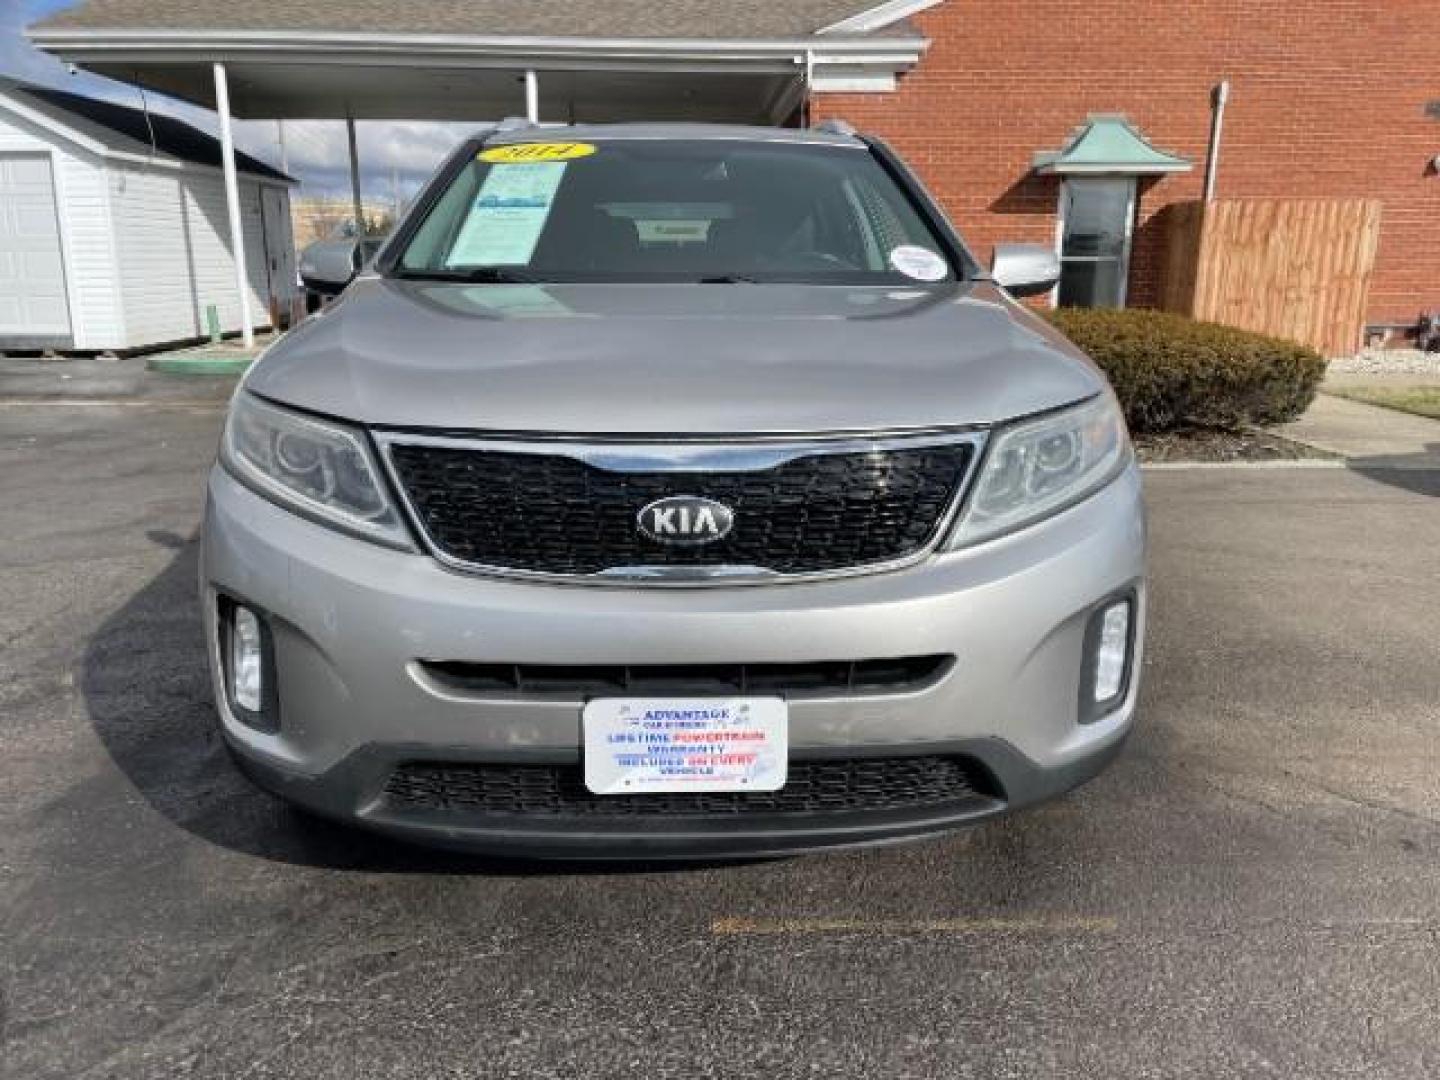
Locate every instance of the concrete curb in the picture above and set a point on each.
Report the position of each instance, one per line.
(1279, 463)
(1359, 465)
(204, 404)
(200, 364)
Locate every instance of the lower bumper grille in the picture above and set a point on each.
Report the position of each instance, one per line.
(820, 786)
(902, 674)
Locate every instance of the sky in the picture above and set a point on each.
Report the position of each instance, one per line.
(392, 154)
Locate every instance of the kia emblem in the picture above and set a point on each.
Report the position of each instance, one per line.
(685, 520)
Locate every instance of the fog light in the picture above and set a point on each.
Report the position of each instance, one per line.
(247, 660)
(1112, 653)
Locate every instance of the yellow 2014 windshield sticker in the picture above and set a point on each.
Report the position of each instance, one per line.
(525, 153)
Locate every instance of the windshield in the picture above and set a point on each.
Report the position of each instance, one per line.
(639, 210)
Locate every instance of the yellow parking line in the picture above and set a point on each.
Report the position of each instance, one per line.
(1043, 924)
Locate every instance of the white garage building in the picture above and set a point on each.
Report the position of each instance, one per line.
(113, 227)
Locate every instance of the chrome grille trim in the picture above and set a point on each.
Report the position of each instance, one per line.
(690, 456)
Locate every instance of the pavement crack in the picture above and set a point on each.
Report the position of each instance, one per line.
(1363, 803)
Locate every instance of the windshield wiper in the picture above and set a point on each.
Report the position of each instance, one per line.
(728, 279)
(475, 275)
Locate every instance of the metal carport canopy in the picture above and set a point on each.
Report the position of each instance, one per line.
(749, 61)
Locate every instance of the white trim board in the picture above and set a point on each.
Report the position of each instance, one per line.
(852, 79)
(840, 62)
(878, 17)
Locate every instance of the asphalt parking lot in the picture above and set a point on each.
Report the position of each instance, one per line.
(1253, 890)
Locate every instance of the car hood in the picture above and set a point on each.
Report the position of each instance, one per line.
(673, 359)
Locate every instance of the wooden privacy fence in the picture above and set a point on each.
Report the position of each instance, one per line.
(1293, 268)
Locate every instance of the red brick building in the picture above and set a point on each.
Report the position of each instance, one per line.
(1327, 98)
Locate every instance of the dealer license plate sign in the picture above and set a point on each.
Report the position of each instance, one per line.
(638, 745)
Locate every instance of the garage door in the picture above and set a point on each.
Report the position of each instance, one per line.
(33, 307)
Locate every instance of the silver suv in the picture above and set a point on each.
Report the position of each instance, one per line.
(675, 491)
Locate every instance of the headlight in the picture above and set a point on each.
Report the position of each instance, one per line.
(317, 468)
(1038, 467)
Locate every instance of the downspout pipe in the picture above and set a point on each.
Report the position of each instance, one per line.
(1219, 97)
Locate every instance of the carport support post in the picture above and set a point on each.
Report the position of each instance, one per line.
(355, 179)
(232, 204)
(532, 96)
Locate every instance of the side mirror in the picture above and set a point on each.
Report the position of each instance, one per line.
(327, 268)
(1025, 269)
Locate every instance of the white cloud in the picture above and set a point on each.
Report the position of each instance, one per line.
(406, 152)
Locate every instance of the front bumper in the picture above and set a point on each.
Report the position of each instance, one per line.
(350, 620)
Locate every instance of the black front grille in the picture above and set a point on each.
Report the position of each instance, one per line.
(546, 512)
(819, 786)
(902, 674)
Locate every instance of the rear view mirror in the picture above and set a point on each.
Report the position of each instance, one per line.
(1025, 269)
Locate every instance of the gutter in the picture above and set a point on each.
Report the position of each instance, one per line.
(144, 44)
(1104, 169)
(163, 160)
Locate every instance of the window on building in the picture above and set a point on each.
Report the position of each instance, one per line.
(1096, 218)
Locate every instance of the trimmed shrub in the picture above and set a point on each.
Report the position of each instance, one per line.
(1172, 372)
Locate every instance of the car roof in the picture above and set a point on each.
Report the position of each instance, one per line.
(526, 133)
